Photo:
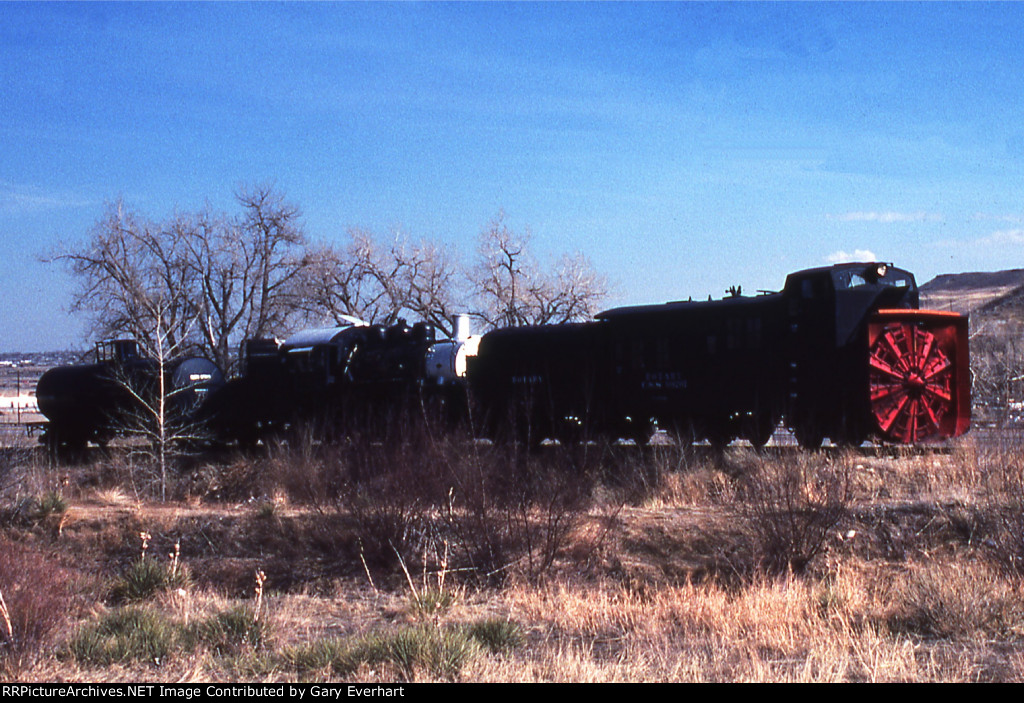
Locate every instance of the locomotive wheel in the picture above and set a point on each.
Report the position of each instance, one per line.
(571, 433)
(850, 435)
(851, 440)
(718, 432)
(911, 383)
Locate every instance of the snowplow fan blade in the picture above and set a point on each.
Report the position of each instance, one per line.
(919, 375)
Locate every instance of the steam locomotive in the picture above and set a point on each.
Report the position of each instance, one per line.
(357, 379)
(841, 352)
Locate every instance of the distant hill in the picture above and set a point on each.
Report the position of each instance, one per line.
(985, 293)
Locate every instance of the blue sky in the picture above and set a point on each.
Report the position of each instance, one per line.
(684, 147)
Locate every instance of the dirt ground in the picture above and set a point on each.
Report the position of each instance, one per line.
(666, 572)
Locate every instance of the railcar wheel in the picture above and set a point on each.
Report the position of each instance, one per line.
(851, 438)
(571, 433)
(808, 435)
(719, 436)
(759, 430)
(64, 446)
(911, 382)
(683, 433)
(640, 432)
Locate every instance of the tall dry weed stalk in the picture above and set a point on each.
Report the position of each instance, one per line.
(6, 617)
(174, 559)
(1002, 504)
(257, 611)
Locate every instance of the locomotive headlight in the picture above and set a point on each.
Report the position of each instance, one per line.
(881, 270)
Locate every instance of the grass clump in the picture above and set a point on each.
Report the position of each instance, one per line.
(250, 665)
(145, 635)
(956, 602)
(431, 602)
(498, 635)
(231, 631)
(438, 652)
(145, 578)
(330, 657)
(28, 511)
(125, 635)
(51, 503)
(442, 652)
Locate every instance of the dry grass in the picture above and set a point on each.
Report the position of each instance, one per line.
(652, 568)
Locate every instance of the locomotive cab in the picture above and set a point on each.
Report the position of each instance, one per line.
(865, 361)
(834, 301)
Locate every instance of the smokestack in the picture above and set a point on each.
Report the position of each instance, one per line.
(462, 331)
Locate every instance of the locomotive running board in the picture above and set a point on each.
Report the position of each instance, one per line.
(919, 375)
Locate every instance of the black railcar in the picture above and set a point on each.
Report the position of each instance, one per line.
(841, 352)
(118, 394)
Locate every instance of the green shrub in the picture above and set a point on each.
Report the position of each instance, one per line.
(431, 602)
(29, 511)
(319, 655)
(442, 652)
(51, 504)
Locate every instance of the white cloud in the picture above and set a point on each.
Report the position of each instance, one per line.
(18, 199)
(989, 217)
(887, 217)
(842, 257)
(1004, 236)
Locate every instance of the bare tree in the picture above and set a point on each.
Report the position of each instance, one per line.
(381, 284)
(997, 368)
(212, 280)
(426, 282)
(207, 281)
(422, 281)
(246, 271)
(134, 278)
(273, 247)
(574, 292)
(345, 281)
(513, 290)
(156, 412)
(503, 276)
